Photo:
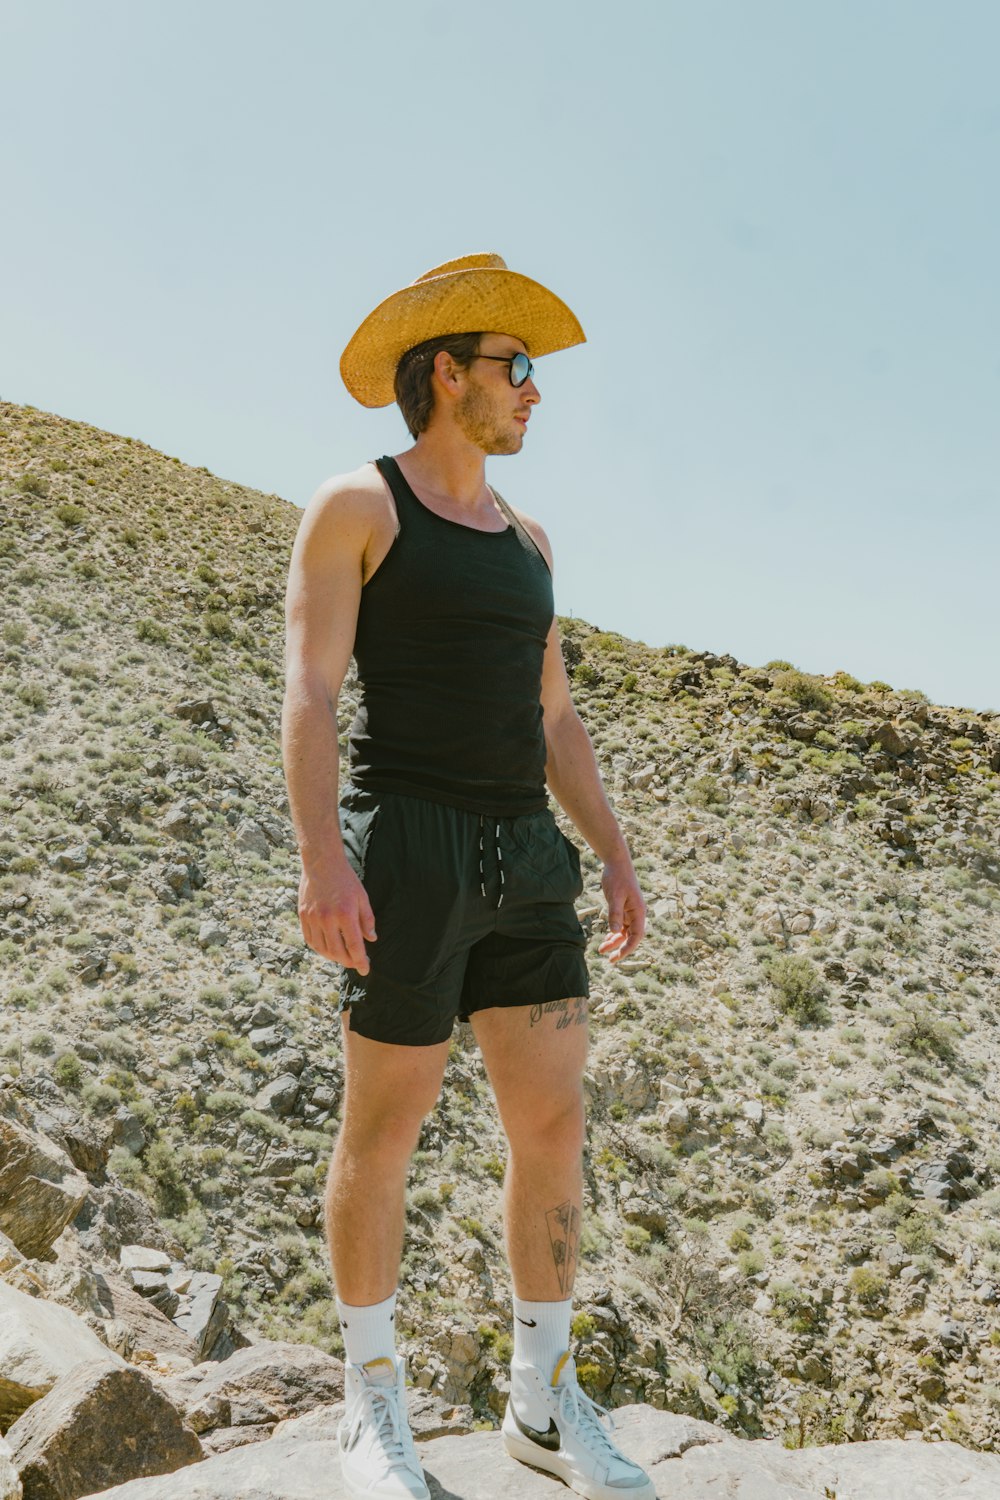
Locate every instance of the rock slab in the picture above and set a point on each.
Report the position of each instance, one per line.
(687, 1460)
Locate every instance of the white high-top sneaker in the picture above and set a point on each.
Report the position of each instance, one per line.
(378, 1459)
(554, 1426)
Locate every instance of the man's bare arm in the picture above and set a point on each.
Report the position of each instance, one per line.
(321, 611)
(574, 779)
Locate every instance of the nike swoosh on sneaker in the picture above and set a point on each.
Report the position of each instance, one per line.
(549, 1440)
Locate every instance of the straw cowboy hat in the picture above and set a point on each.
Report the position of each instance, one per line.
(475, 294)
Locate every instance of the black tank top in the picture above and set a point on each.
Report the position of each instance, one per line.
(449, 646)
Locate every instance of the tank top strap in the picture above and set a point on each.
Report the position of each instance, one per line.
(406, 502)
(527, 541)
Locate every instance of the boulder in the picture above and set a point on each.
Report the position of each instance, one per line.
(99, 1425)
(205, 1316)
(40, 1189)
(265, 1383)
(39, 1342)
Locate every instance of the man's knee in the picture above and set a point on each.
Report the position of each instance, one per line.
(385, 1126)
(550, 1125)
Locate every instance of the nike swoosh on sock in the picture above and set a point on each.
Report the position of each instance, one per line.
(528, 1322)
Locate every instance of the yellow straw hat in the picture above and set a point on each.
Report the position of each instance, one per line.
(475, 294)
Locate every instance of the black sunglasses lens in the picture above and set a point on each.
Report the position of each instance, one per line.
(520, 369)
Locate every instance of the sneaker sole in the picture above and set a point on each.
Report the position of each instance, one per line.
(527, 1452)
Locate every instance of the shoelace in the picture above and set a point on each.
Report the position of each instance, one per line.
(579, 1410)
(393, 1442)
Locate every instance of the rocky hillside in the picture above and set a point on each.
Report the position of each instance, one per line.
(794, 1160)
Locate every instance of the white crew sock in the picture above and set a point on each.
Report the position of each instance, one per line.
(369, 1332)
(541, 1333)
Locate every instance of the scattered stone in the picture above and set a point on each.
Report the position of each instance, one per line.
(278, 1096)
(251, 837)
(212, 935)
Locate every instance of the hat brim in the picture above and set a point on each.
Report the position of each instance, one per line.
(468, 301)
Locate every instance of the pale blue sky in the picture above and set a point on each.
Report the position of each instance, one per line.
(777, 220)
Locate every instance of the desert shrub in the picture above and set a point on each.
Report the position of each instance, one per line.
(805, 690)
(71, 514)
(705, 792)
(635, 1237)
(151, 630)
(33, 695)
(868, 1287)
(67, 1070)
(167, 1173)
(797, 986)
(101, 1098)
(918, 1030)
(728, 1349)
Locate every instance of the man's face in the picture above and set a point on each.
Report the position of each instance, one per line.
(491, 412)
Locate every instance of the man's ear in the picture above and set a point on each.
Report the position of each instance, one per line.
(447, 371)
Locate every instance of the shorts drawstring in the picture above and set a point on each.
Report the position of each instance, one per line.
(482, 874)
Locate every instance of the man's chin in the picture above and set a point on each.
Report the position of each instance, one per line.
(505, 446)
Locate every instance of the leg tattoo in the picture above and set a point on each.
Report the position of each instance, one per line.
(564, 1235)
(561, 1010)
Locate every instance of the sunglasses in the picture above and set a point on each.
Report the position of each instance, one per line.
(520, 365)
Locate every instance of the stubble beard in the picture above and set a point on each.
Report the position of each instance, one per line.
(479, 422)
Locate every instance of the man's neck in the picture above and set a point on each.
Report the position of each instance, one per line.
(449, 467)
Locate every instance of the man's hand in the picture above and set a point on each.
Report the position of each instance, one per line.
(626, 910)
(336, 916)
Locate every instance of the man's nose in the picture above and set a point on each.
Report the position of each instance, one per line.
(529, 391)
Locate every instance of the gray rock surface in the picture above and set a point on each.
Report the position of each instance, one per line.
(10, 1484)
(687, 1459)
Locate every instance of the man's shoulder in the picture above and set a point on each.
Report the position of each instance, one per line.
(357, 490)
(343, 517)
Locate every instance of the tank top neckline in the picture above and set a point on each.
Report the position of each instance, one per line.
(476, 530)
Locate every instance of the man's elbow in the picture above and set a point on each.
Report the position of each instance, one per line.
(306, 687)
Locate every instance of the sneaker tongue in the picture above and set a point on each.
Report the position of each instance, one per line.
(381, 1371)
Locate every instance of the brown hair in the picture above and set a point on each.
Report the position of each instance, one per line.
(413, 375)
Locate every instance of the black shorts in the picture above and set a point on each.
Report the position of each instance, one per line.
(471, 912)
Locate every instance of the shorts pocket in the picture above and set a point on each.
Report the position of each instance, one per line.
(574, 860)
(357, 826)
(546, 864)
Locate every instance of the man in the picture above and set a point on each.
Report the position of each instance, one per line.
(441, 881)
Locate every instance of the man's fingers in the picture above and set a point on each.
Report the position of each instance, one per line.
(613, 945)
(367, 917)
(354, 943)
(340, 936)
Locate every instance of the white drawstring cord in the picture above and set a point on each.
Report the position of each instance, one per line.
(482, 874)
